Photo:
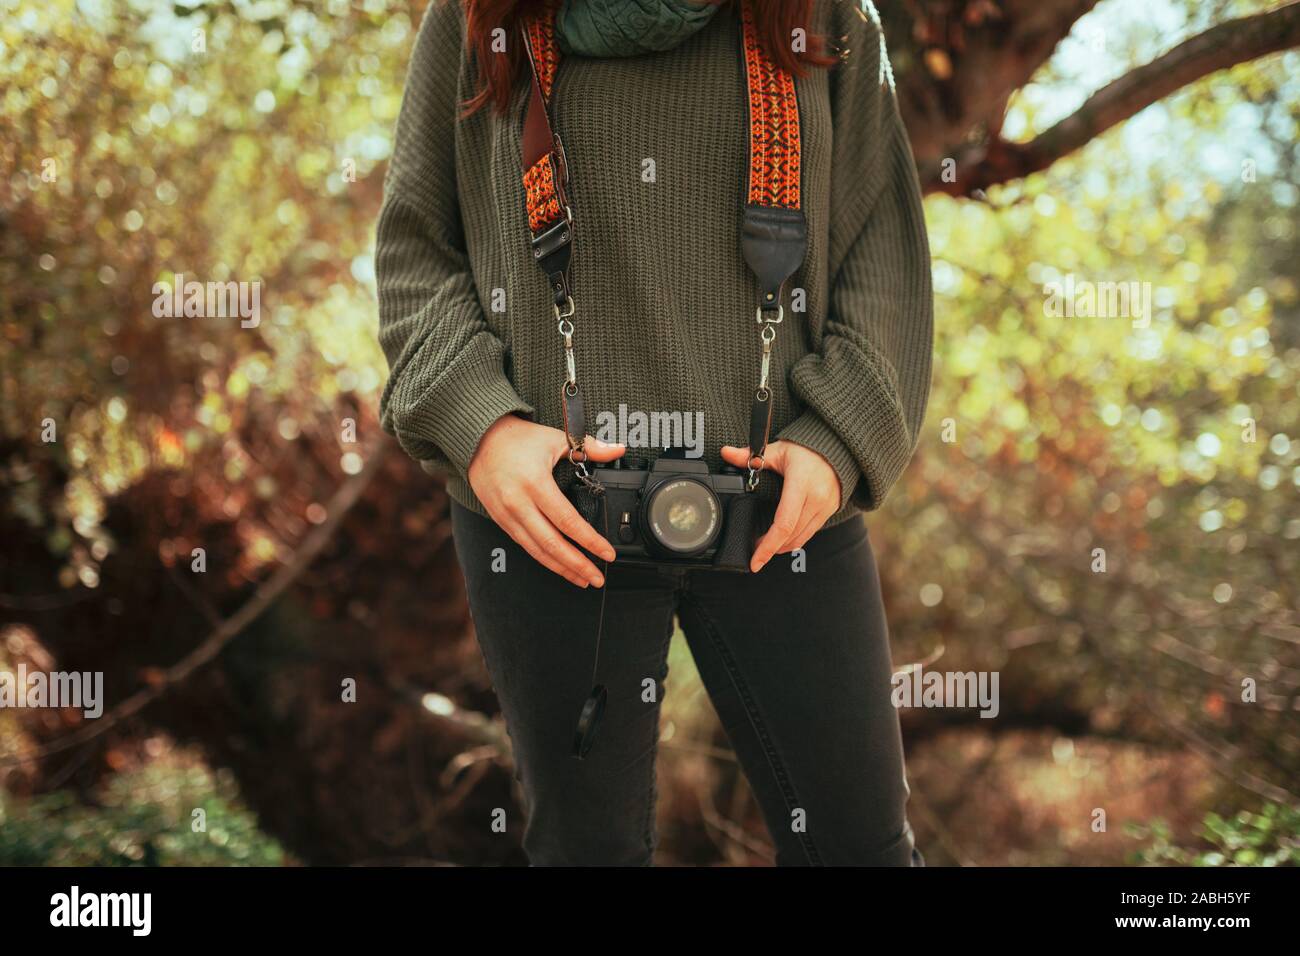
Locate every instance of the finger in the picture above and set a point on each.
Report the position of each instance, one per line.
(502, 514)
(561, 513)
(736, 457)
(807, 519)
(556, 547)
(811, 524)
(508, 521)
(598, 450)
(594, 448)
(525, 540)
(773, 457)
(816, 518)
(784, 523)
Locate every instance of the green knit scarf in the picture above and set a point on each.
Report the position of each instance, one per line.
(628, 27)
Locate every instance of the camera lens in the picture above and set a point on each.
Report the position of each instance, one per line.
(683, 515)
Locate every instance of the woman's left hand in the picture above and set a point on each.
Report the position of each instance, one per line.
(809, 495)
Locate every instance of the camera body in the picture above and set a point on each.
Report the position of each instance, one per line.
(674, 512)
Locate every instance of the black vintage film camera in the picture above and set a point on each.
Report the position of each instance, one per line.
(674, 512)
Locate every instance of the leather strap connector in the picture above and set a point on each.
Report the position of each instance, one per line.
(552, 241)
(553, 251)
(760, 421)
(575, 415)
(774, 241)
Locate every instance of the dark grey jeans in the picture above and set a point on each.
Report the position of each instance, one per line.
(796, 662)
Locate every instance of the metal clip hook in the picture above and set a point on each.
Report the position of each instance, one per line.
(569, 309)
(564, 324)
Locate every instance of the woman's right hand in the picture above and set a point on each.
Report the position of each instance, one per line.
(511, 475)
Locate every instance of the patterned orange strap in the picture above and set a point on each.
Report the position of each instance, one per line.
(545, 205)
(774, 146)
(773, 124)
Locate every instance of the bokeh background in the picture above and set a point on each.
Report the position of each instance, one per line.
(1161, 690)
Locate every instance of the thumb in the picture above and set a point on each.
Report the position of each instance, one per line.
(598, 450)
(773, 458)
(737, 457)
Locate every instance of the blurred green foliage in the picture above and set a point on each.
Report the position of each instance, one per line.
(144, 817)
(1270, 837)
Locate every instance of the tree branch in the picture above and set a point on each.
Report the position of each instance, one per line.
(956, 64)
(1227, 44)
(225, 631)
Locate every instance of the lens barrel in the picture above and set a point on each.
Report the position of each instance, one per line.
(683, 516)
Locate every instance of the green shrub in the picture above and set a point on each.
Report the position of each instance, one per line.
(146, 817)
(1270, 837)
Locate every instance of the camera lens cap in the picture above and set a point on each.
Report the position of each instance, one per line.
(593, 709)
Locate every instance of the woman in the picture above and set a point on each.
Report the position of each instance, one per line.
(649, 98)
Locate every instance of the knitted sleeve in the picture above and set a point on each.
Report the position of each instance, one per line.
(867, 381)
(447, 382)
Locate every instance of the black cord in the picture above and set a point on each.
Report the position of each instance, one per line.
(600, 621)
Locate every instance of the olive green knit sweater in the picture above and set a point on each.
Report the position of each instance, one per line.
(657, 147)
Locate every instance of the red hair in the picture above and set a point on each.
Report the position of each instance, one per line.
(776, 21)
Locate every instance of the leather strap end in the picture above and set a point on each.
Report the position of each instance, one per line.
(575, 415)
(774, 242)
(537, 138)
(760, 421)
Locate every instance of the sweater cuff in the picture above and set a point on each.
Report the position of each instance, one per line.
(481, 396)
(811, 431)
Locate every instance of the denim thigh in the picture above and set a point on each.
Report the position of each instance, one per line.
(537, 633)
(796, 660)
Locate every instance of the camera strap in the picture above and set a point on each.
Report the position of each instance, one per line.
(773, 241)
(774, 233)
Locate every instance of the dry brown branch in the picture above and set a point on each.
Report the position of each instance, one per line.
(227, 630)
